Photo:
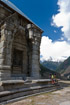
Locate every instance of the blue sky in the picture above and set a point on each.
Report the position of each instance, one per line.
(41, 11)
(55, 43)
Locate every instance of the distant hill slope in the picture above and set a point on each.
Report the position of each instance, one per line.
(51, 65)
(67, 71)
(45, 72)
(63, 66)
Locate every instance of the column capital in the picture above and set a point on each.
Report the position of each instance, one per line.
(33, 32)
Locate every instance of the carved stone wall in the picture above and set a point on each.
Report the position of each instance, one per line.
(12, 37)
(19, 47)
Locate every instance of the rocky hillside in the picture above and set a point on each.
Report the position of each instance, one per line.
(64, 68)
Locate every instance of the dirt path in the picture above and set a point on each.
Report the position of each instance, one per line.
(60, 97)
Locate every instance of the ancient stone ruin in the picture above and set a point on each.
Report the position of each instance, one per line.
(19, 44)
(19, 55)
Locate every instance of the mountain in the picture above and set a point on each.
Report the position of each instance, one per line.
(45, 72)
(64, 68)
(51, 65)
(67, 71)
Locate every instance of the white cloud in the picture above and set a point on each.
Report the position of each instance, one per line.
(61, 39)
(58, 50)
(62, 19)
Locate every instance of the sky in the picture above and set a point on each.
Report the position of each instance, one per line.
(53, 16)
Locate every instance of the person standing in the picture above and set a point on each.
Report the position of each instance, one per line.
(52, 77)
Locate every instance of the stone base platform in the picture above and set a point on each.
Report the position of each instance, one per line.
(18, 88)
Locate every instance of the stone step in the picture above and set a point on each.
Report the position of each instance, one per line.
(8, 95)
(12, 89)
(17, 84)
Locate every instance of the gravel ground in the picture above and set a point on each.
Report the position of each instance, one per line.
(60, 97)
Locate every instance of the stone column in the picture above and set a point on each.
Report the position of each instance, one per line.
(35, 37)
(4, 68)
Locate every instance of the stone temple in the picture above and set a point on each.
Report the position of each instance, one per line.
(19, 44)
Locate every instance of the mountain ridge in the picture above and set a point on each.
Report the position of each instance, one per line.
(52, 65)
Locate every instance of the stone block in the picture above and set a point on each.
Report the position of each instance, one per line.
(1, 56)
(35, 48)
(5, 73)
(2, 50)
(3, 38)
(35, 57)
(1, 61)
(2, 31)
(35, 62)
(1, 44)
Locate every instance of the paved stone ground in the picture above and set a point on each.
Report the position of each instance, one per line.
(60, 97)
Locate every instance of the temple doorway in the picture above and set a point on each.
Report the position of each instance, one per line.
(17, 62)
(19, 58)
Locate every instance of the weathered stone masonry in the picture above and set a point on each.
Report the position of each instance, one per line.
(19, 45)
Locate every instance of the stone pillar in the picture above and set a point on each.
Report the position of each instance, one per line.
(4, 68)
(35, 38)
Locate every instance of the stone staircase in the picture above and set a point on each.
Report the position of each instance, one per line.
(14, 89)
